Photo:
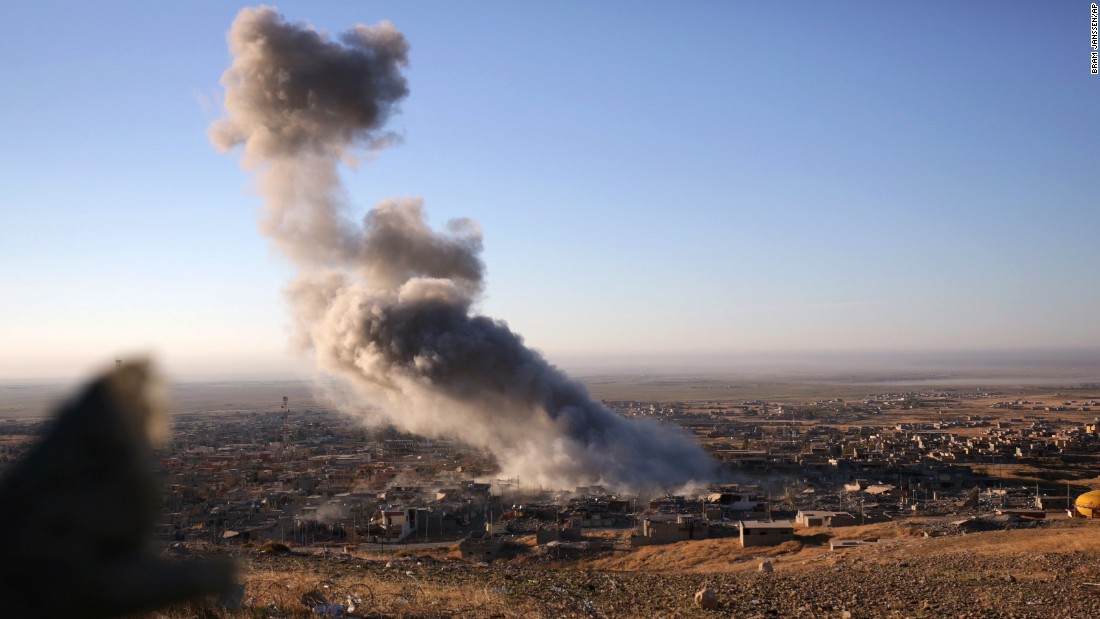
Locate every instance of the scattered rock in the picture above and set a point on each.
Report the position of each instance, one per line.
(944, 584)
(706, 599)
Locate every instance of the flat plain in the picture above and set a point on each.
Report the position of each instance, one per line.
(928, 570)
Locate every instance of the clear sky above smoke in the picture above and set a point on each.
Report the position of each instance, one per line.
(648, 178)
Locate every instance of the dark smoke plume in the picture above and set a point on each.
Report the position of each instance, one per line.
(387, 304)
(300, 103)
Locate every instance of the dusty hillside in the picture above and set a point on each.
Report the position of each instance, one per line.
(1045, 572)
(726, 554)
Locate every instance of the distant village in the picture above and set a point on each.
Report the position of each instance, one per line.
(315, 478)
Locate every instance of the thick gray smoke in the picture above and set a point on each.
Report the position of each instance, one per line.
(387, 304)
(300, 104)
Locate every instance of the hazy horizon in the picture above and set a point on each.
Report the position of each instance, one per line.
(1081, 363)
(656, 185)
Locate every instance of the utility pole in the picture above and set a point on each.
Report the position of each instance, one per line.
(286, 429)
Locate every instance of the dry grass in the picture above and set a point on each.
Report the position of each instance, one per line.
(1061, 537)
(711, 555)
(280, 593)
(275, 586)
(727, 555)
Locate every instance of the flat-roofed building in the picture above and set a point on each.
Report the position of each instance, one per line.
(480, 547)
(766, 532)
(666, 529)
(824, 519)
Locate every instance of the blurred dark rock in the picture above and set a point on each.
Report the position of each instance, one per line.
(77, 515)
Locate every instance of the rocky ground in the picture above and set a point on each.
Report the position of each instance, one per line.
(1006, 574)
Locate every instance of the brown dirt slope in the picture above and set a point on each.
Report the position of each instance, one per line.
(1045, 572)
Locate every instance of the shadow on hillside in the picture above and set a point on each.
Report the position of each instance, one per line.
(818, 539)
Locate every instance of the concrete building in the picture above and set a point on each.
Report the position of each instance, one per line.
(480, 547)
(658, 530)
(590, 520)
(1054, 502)
(825, 519)
(766, 532)
(399, 523)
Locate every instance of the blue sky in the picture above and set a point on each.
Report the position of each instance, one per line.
(652, 180)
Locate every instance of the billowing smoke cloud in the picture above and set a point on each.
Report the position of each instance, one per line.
(387, 304)
(299, 104)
